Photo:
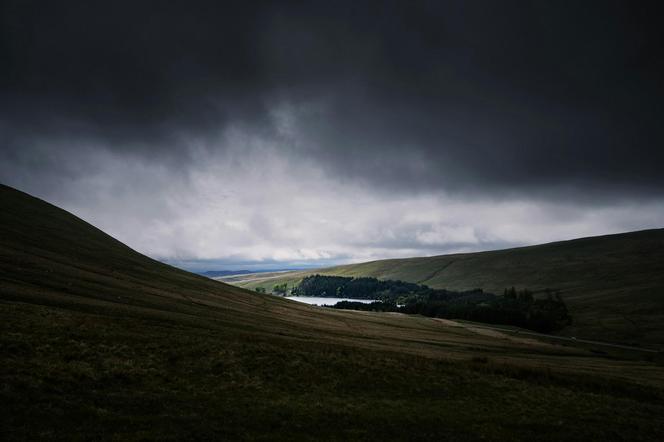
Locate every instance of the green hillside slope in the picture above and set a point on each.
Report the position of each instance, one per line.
(98, 342)
(614, 284)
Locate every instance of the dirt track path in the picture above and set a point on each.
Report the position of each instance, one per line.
(499, 332)
(492, 332)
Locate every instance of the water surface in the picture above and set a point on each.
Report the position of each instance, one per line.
(313, 300)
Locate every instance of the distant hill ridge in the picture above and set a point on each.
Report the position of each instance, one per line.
(217, 273)
(223, 273)
(613, 284)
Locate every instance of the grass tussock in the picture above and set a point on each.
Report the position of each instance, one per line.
(136, 380)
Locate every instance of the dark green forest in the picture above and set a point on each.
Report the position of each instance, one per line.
(544, 311)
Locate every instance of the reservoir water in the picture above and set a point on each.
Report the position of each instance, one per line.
(313, 300)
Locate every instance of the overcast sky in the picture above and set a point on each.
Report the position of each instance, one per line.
(220, 135)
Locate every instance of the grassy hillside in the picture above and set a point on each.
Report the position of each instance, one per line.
(100, 342)
(613, 285)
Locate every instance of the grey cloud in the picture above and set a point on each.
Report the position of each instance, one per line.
(246, 131)
(425, 95)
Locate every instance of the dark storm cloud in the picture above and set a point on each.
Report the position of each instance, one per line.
(489, 96)
(516, 95)
(133, 73)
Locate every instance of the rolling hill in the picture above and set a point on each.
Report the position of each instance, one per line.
(100, 342)
(613, 284)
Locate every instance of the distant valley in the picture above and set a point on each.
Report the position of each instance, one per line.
(613, 284)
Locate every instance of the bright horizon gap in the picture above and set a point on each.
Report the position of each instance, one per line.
(200, 266)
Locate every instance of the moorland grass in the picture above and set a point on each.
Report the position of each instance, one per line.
(70, 375)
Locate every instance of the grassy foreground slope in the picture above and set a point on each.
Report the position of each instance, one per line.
(100, 342)
(613, 284)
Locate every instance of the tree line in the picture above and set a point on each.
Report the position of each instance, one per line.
(358, 288)
(543, 311)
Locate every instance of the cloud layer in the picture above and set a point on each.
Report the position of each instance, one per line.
(295, 133)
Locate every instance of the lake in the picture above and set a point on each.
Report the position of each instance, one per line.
(313, 300)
